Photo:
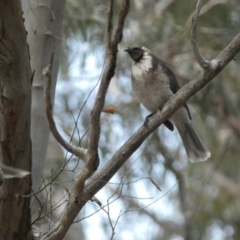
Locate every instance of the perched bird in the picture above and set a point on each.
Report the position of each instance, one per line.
(153, 83)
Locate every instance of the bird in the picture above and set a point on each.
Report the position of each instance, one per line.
(153, 84)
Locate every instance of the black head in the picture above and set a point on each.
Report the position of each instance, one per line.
(135, 53)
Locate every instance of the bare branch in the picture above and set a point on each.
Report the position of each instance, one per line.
(108, 73)
(76, 196)
(121, 18)
(78, 152)
(205, 64)
(109, 24)
(227, 54)
(134, 142)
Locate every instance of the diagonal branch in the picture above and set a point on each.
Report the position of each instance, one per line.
(135, 141)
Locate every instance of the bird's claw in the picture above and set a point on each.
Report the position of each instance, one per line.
(145, 124)
(161, 107)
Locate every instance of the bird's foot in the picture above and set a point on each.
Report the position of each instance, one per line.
(161, 107)
(145, 124)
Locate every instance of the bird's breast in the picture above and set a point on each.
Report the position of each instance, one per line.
(151, 89)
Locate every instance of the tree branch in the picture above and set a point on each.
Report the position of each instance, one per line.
(200, 59)
(121, 18)
(78, 152)
(76, 196)
(135, 141)
(109, 24)
(108, 73)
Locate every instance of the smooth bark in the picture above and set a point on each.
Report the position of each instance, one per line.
(44, 22)
(15, 106)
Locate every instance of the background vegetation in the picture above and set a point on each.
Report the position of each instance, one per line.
(196, 201)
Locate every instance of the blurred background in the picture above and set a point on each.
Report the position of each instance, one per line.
(196, 201)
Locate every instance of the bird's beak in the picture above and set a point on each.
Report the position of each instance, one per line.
(135, 52)
(128, 49)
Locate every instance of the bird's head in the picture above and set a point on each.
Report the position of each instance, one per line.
(136, 53)
(142, 59)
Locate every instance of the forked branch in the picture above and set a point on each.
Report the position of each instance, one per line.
(81, 153)
(76, 195)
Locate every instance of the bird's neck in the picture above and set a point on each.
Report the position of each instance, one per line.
(143, 65)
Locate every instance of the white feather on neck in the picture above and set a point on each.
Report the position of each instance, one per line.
(143, 65)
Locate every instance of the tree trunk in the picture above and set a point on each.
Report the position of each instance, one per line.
(15, 104)
(44, 25)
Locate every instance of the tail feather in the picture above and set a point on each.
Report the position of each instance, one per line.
(196, 150)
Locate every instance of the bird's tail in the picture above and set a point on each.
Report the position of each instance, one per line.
(196, 150)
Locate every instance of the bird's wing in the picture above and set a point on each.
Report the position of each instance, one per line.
(174, 86)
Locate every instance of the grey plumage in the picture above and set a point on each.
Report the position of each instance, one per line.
(153, 83)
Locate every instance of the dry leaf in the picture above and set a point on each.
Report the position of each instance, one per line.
(109, 109)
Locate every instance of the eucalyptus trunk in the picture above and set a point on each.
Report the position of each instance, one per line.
(43, 22)
(15, 106)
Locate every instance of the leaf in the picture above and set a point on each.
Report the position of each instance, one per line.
(109, 109)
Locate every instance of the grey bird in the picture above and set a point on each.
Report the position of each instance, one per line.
(153, 83)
